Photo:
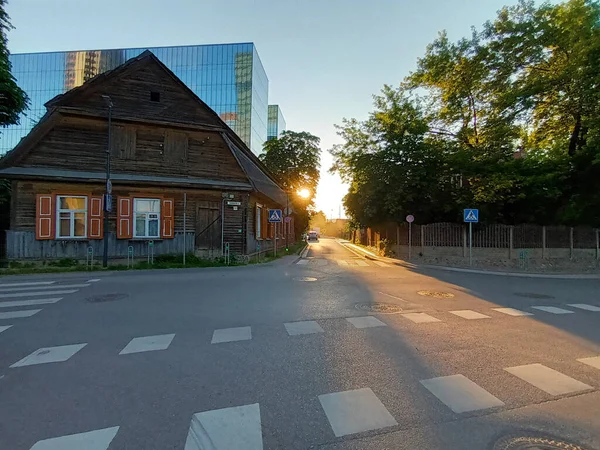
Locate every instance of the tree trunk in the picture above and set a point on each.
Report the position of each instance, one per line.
(575, 135)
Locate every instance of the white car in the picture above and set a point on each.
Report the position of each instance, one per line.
(312, 236)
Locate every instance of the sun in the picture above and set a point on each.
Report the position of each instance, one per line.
(304, 193)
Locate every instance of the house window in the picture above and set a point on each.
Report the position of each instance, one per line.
(147, 217)
(72, 216)
(258, 221)
(155, 96)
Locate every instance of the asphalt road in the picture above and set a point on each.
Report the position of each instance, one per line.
(331, 351)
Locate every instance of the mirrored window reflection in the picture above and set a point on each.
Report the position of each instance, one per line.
(229, 78)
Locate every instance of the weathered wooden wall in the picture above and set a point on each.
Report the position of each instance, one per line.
(23, 245)
(23, 217)
(79, 143)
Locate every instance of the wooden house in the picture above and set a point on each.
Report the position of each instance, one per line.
(167, 149)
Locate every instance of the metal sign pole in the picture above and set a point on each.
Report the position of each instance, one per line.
(470, 243)
(275, 241)
(184, 230)
(409, 240)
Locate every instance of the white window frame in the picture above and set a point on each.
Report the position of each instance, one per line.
(135, 213)
(259, 212)
(72, 217)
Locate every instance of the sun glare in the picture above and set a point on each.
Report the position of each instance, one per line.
(304, 193)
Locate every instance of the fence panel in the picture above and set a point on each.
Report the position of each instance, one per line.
(584, 237)
(558, 237)
(527, 236)
(491, 236)
(442, 235)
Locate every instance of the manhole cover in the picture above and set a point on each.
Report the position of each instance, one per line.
(106, 298)
(381, 308)
(436, 294)
(305, 279)
(532, 442)
(533, 295)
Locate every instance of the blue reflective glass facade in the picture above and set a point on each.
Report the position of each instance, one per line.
(230, 78)
(275, 122)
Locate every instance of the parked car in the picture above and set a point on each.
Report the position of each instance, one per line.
(312, 236)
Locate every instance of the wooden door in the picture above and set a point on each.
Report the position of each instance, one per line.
(208, 227)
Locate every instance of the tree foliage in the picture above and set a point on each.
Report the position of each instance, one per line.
(294, 159)
(507, 120)
(13, 100)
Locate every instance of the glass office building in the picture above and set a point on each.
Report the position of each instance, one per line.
(230, 78)
(275, 122)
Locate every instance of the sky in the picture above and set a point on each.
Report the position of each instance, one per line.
(325, 59)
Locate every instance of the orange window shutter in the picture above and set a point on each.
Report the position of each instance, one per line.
(124, 218)
(44, 217)
(263, 229)
(167, 208)
(95, 217)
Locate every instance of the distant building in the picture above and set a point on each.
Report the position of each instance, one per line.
(275, 122)
(230, 78)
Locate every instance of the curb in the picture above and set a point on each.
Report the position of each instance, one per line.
(368, 255)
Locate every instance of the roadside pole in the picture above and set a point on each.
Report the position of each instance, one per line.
(470, 243)
(275, 241)
(410, 219)
(471, 216)
(184, 230)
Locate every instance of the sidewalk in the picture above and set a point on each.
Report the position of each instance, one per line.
(360, 251)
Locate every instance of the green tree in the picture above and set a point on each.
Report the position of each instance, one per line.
(507, 120)
(294, 159)
(13, 100)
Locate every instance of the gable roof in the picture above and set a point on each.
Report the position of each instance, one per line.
(255, 170)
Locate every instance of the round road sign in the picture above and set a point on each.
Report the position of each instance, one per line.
(410, 218)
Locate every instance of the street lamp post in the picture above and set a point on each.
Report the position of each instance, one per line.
(108, 187)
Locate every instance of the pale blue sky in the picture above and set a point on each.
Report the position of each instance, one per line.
(324, 58)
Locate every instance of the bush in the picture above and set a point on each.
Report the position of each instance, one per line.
(64, 262)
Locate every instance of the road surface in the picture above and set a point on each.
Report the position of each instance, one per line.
(332, 351)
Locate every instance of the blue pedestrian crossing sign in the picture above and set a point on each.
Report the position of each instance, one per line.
(471, 215)
(275, 216)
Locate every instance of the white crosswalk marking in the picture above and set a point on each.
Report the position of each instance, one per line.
(231, 335)
(39, 301)
(512, 312)
(302, 261)
(305, 327)
(366, 322)
(64, 286)
(460, 394)
(469, 315)
(594, 361)
(32, 283)
(342, 262)
(148, 344)
(355, 411)
(553, 309)
(18, 314)
(547, 379)
(4, 328)
(381, 264)
(420, 317)
(586, 307)
(238, 427)
(91, 440)
(93, 280)
(49, 355)
(35, 294)
(360, 262)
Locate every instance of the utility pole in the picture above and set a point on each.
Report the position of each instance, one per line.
(108, 187)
